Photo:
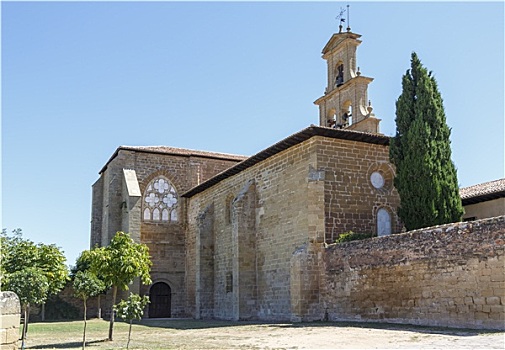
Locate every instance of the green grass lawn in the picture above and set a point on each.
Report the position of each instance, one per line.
(151, 334)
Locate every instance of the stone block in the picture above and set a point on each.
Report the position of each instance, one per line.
(8, 347)
(498, 277)
(479, 300)
(11, 335)
(485, 272)
(485, 278)
(9, 321)
(487, 293)
(494, 316)
(493, 300)
(497, 309)
(481, 316)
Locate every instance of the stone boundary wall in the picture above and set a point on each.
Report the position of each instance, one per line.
(10, 316)
(450, 275)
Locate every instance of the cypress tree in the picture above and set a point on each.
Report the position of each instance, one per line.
(421, 151)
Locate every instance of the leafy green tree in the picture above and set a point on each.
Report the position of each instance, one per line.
(119, 264)
(86, 284)
(83, 264)
(52, 261)
(18, 254)
(421, 151)
(131, 309)
(32, 287)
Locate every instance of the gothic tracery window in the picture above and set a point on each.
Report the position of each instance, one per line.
(160, 201)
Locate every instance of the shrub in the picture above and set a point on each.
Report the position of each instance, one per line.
(352, 236)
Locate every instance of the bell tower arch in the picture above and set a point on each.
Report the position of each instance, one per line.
(345, 101)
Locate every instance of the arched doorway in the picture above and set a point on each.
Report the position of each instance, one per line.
(161, 300)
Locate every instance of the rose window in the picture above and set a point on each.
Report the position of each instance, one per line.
(160, 201)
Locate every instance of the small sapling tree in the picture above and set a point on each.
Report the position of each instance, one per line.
(83, 264)
(86, 284)
(119, 264)
(131, 309)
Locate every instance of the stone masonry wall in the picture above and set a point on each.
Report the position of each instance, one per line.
(351, 202)
(10, 315)
(450, 275)
(166, 240)
(260, 219)
(290, 197)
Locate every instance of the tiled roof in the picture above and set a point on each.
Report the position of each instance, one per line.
(175, 151)
(288, 142)
(483, 192)
(183, 152)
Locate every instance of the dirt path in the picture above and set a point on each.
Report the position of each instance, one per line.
(227, 335)
(368, 338)
(337, 336)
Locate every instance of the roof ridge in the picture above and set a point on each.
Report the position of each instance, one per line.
(489, 187)
(180, 149)
(184, 152)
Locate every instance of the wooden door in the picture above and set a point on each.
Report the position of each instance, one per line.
(161, 300)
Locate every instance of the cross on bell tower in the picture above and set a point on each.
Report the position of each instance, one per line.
(345, 101)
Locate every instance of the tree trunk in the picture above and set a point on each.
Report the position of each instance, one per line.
(84, 332)
(25, 322)
(27, 319)
(43, 312)
(99, 307)
(129, 335)
(111, 324)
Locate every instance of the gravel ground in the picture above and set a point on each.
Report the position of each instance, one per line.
(224, 335)
(279, 337)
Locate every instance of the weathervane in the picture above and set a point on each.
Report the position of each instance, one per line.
(341, 19)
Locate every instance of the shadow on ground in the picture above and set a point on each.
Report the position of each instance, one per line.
(71, 345)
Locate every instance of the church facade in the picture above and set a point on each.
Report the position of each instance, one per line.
(235, 237)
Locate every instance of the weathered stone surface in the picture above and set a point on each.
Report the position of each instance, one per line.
(300, 197)
(118, 205)
(433, 276)
(9, 303)
(10, 314)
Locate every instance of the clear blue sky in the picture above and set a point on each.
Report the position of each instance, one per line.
(81, 79)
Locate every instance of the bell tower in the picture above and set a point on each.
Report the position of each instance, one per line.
(345, 103)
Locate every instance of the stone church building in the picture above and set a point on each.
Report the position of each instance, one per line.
(235, 237)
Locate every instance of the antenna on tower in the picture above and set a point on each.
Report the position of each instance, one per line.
(341, 19)
(348, 23)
